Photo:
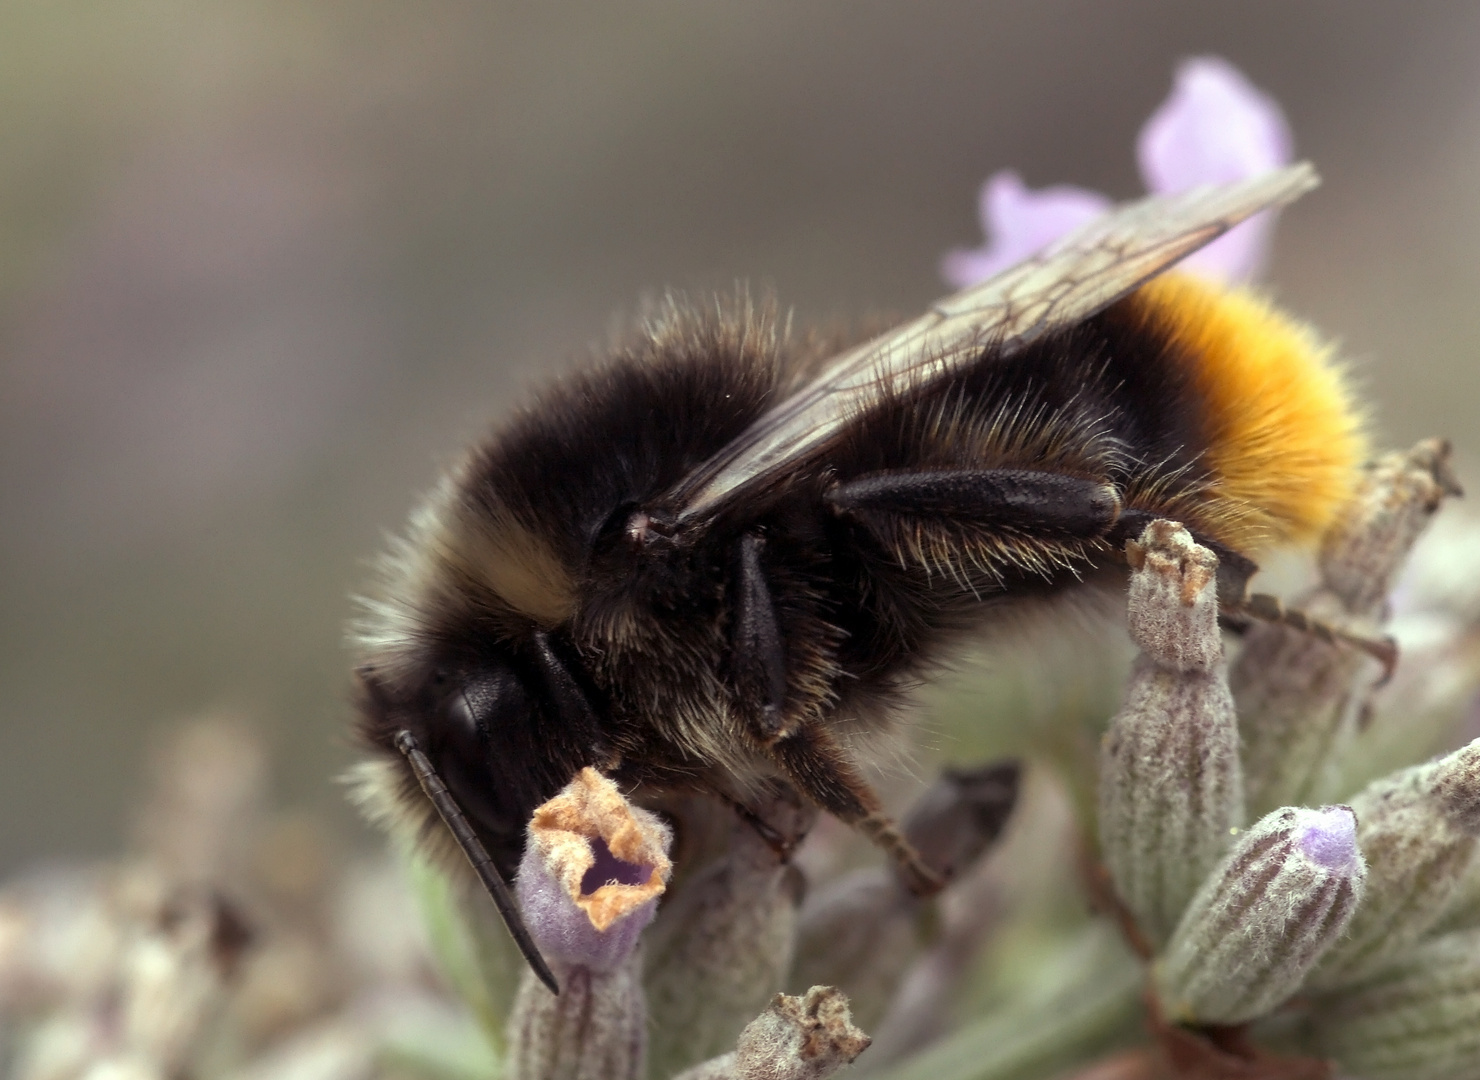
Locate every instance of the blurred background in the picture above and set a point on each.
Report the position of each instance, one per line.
(266, 265)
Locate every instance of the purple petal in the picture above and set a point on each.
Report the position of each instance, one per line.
(1214, 128)
(1328, 836)
(594, 866)
(1019, 222)
(1239, 255)
(563, 931)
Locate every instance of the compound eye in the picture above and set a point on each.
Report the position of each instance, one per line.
(476, 746)
(473, 706)
(506, 733)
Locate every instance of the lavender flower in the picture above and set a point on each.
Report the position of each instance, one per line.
(1018, 222)
(592, 873)
(593, 870)
(1214, 127)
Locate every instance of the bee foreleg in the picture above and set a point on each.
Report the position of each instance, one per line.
(570, 700)
(814, 761)
(778, 814)
(758, 651)
(1045, 505)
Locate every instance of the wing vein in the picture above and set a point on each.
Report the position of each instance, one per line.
(1067, 282)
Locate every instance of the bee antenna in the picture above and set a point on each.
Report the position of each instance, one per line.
(477, 854)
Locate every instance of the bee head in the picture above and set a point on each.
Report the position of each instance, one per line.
(504, 722)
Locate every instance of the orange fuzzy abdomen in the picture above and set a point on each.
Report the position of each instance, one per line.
(1284, 434)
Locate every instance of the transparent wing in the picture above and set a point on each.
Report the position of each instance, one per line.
(1067, 282)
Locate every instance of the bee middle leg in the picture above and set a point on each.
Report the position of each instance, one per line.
(806, 753)
(757, 648)
(821, 768)
(1022, 502)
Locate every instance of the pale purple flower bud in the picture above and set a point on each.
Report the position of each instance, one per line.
(1171, 784)
(1419, 1019)
(1418, 831)
(1017, 222)
(1263, 918)
(593, 869)
(1327, 837)
(1214, 128)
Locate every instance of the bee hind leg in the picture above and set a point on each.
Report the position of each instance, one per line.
(1048, 505)
(1266, 608)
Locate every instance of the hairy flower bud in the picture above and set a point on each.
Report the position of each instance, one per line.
(1171, 786)
(1419, 1019)
(1263, 918)
(1463, 910)
(593, 869)
(797, 1038)
(961, 815)
(1417, 830)
(725, 942)
(1299, 697)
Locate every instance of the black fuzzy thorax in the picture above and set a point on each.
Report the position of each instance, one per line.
(863, 605)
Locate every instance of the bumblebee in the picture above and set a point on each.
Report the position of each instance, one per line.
(720, 557)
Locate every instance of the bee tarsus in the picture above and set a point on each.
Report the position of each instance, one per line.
(1272, 609)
